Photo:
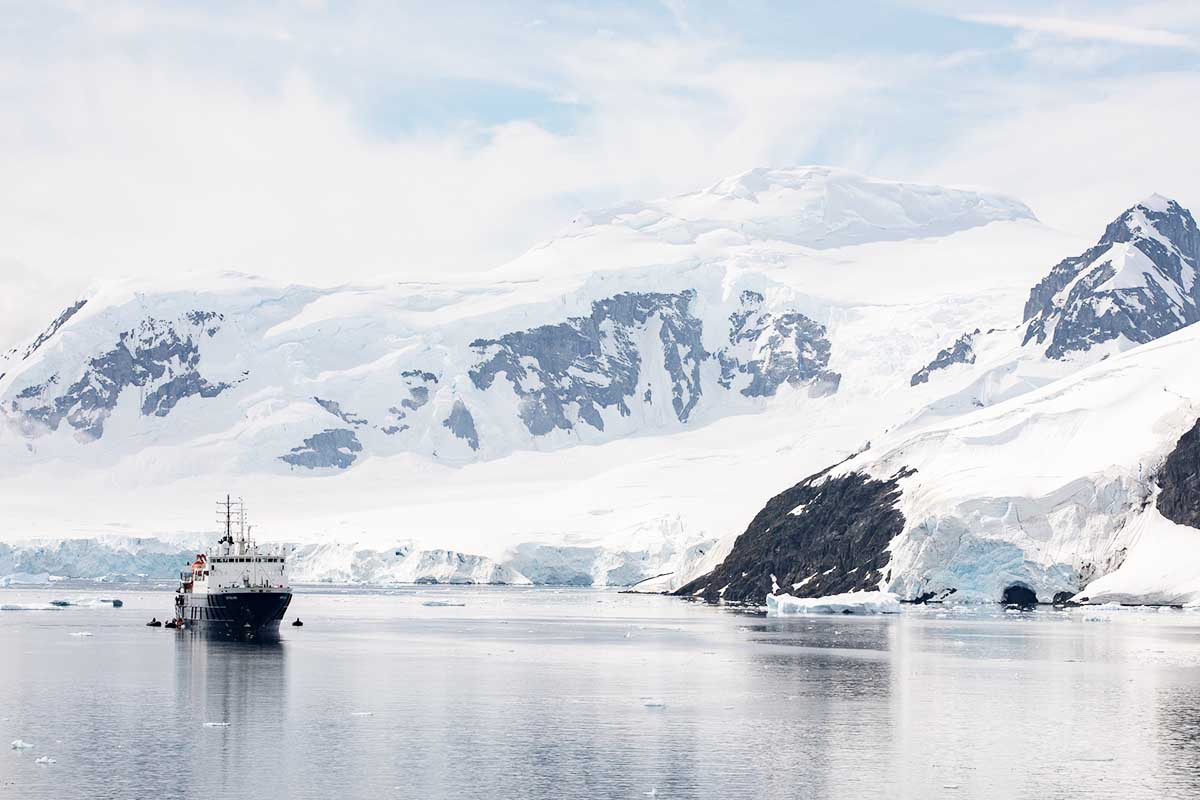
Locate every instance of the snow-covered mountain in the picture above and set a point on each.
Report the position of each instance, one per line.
(1138, 283)
(480, 370)
(1071, 472)
(609, 404)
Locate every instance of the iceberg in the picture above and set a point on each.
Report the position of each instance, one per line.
(847, 603)
(25, 579)
(20, 744)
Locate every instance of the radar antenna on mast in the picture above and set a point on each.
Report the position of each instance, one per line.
(231, 515)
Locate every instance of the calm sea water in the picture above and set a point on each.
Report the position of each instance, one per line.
(542, 693)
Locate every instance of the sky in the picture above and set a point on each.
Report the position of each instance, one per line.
(326, 142)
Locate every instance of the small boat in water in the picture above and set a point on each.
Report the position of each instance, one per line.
(239, 590)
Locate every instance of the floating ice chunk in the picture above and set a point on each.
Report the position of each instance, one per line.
(19, 744)
(362, 713)
(25, 579)
(216, 724)
(848, 603)
(81, 633)
(443, 604)
(45, 760)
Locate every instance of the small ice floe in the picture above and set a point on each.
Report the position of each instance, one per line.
(20, 744)
(443, 604)
(81, 633)
(847, 603)
(45, 760)
(216, 724)
(362, 713)
(91, 602)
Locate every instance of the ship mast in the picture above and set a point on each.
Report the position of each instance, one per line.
(232, 514)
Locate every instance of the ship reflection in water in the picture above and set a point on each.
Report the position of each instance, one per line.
(443, 692)
(237, 692)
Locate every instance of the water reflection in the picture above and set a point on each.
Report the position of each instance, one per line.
(235, 694)
(1177, 739)
(590, 695)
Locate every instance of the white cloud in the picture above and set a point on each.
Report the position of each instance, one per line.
(138, 165)
(1086, 30)
(142, 139)
(1081, 154)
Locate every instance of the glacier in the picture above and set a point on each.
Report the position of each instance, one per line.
(113, 559)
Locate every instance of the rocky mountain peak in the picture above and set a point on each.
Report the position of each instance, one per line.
(1136, 284)
(1157, 218)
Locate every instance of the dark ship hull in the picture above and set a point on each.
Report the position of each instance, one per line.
(234, 615)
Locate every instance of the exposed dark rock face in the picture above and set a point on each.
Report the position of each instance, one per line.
(1062, 599)
(462, 424)
(348, 417)
(332, 447)
(418, 383)
(566, 374)
(1138, 282)
(823, 536)
(1179, 480)
(58, 322)
(961, 352)
(933, 597)
(774, 349)
(593, 362)
(161, 357)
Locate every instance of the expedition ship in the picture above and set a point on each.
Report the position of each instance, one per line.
(237, 591)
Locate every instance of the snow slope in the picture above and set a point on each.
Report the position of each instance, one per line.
(1053, 491)
(1039, 467)
(608, 406)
